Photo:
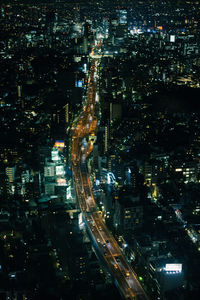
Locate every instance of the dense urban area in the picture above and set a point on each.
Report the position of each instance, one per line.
(100, 150)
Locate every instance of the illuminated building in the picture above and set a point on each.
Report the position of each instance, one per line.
(122, 16)
(49, 188)
(4, 188)
(19, 91)
(106, 139)
(155, 170)
(10, 172)
(185, 170)
(66, 113)
(167, 275)
(116, 166)
(49, 170)
(115, 111)
(128, 211)
(85, 45)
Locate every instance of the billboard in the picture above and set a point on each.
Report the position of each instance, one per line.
(173, 268)
(61, 182)
(59, 144)
(60, 170)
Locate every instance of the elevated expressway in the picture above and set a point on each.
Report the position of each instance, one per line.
(124, 277)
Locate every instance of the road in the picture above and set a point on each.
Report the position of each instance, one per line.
(123, 275)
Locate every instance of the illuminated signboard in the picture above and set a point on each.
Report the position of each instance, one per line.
(173, 267)
(172, 38)
(61, 182)
(60, 170)
(55, 155)
(69, 195)
(59, 144)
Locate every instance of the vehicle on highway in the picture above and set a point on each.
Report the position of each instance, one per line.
(127, 273)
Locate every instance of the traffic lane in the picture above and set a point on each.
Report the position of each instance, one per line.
(106, 241)
(100, 239)
(117, 273)
(113, 248)
(97, 232)
(131, 279)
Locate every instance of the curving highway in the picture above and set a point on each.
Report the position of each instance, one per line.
(123, 275)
